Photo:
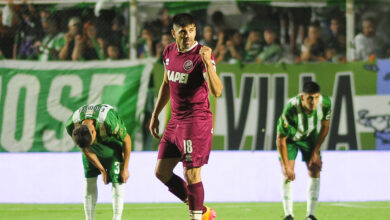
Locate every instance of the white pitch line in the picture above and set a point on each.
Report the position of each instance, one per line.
(232, 206)
(343, 204)
(248, 206)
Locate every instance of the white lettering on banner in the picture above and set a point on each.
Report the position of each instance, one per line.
(60, 112)
(99, 81)
(177, 76)
(14, 86)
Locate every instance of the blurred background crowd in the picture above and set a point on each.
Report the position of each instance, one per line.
(250, 32)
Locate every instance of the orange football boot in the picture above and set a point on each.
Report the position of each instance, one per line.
(210, 214)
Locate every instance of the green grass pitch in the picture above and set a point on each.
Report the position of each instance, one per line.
(176, 211)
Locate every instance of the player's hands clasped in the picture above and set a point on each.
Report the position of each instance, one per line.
(153, 127)
(205, 53)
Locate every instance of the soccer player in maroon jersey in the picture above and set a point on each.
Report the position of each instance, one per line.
(189, 75)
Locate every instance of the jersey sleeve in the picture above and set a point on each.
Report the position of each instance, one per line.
(212, 61)
(286, 123)
(69, 125)
(327, 108)
(164, 55)
(115, 126)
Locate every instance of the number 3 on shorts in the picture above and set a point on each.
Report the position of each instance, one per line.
(187, 146)
(117, 167)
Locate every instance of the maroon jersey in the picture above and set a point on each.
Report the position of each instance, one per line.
(188, 87)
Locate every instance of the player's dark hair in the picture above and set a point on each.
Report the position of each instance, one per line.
(82, 136)
(183, 20)
(311, 87)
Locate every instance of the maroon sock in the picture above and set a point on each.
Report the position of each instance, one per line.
(196, 197)
(178, 187)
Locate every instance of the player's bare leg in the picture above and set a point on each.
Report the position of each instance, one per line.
(313, 191)
(175, 184)
(287, 192)
(90, 197)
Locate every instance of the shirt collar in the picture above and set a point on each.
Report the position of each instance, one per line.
(193, 46)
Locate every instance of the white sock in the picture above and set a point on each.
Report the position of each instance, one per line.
(90, 197)
(287, 196)
(196, 214)
(312, 195)
(118, 194)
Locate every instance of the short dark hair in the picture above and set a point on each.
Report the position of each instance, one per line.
(311, 87)
(82, 136)
(370, 19)
(315, 24)
(183, 20)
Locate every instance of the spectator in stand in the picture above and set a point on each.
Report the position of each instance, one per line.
(166, 39)
(145, 44)
(52, 42)
(90, 46)
(341, 47)
(74, 30)
(331, 53)
(156, 29)
(44, 14)
(29, 31)
(272, 51)
(125, 44)
(218, 21)
(208, 37)
(116, 35)
(113, 52)
(313, 49)
(7, 31)
(368, 45)
(252, 46)
(234, 48)
(220, 48)
(164, 21)
(334, 28)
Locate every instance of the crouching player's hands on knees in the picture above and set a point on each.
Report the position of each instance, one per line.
(104, 176)
(289, 173)
(125, 175)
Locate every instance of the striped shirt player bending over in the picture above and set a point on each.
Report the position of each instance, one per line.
(297, 129)
(102, 137)
(189, 74)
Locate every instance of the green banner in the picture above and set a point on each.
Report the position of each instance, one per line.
(254, 95)
(37, 98)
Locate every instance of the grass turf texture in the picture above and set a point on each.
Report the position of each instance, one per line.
(176, 211)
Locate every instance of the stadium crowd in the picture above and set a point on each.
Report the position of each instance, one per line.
(267, 35)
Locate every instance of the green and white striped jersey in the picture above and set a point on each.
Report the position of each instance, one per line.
(297, 125)
(110, 128)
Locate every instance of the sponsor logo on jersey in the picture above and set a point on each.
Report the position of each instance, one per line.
(188, 65)
(90, 108)
(188, 158)
(166, 62)
(177, 77)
